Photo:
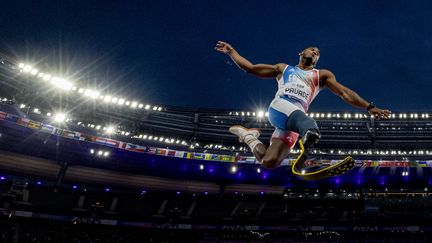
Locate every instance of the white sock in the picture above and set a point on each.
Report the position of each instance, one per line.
(251, 141)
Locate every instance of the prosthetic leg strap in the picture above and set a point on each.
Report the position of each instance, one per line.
(334, 170)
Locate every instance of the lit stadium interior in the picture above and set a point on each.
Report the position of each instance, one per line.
(122, 161)
(214, 122)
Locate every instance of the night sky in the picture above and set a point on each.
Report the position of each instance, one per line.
(161, 51)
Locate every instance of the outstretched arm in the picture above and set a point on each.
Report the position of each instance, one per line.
(350, 96)
(259, 70)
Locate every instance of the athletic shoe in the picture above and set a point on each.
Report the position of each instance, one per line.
(242, 132)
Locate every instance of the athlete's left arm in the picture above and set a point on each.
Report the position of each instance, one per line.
(349, 96)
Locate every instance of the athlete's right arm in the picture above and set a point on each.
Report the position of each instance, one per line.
(259, 70)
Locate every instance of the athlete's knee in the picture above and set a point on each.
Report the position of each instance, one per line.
(270, 161)
(300, 123)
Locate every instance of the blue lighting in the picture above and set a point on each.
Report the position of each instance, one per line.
(107, 189)
(39, 182)
(205, 193)
(2, 178)
(74, 187)
(178, 193)
(143, 192)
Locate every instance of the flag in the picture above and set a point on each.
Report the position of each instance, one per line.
(88, 138)
(171, 153)
(48, 128)
(187, 155)
(11, 118)
(179, 154)
(135, 148)
(227, 158)
(422, 164)
(71, 134)
(2, 115)
(160, 151)
(58, 131)
(151, 150)
(111, 142)
(34, 125)
(23, 122)
(198, 156)
(100, 140)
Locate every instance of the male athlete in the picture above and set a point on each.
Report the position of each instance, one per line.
(297, 87)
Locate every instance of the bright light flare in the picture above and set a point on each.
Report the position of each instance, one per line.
(59, 117)
(61, 83)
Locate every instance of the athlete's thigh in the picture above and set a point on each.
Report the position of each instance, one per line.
(281, 144)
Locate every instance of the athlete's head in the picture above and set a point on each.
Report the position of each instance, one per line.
(310, 56)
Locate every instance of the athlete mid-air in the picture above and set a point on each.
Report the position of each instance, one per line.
(297, 87)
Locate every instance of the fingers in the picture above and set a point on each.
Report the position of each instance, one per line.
(385, 114)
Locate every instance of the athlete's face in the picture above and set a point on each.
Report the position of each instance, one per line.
(311, 53)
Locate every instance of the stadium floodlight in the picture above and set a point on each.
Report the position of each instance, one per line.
(21, 65)
(110, 129)
(41, 75)
(100, 152)
(155, 108)
(201, 167)
(159, 109)
(145, 137)
(49, 114)
(127, 103)
(47, 77)
(121, 101)
(178, 141)
(22, 106)
(260, 114)
(242, 113)
(134, 104)
(140, 106)
(61, 83)
(147, 107)
(34, 71)
(27, 68)
(59, 117)
(161, 139)
(98, 127)
(36, 110)
(106, 154)
(258, 170)
(92, 151)
(155, 138)
(247, 113)
(114, 99)
(94, 94)
(107, 98)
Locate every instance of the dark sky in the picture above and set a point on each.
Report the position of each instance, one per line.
(162, 51)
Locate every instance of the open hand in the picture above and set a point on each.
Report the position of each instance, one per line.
(380, 113)
(223, 47)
